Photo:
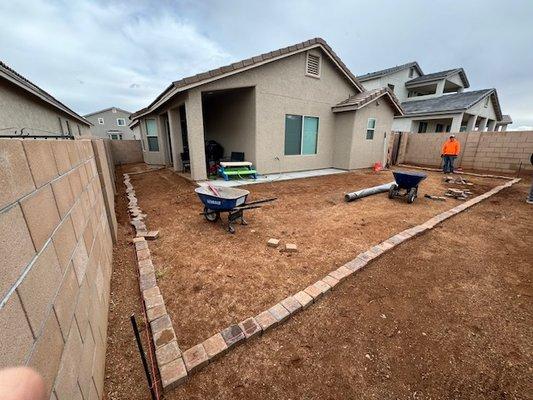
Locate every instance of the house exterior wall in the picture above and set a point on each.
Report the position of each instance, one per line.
(480, 110)
(56, 245)
(397, 79)
(110, 123)
(344, 133)
(20, 109)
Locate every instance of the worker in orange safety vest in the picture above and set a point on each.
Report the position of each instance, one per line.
(450, 151)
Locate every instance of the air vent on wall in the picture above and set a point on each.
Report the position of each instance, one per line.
(313, 65)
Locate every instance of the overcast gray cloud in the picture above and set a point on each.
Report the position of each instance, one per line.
(92, 54)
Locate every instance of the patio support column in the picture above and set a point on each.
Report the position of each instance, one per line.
(175, 138)
(456, 123)
(504, 127)
(491, 126)
(195, 135)
(440, 88)
(471, 124)
(482, 124)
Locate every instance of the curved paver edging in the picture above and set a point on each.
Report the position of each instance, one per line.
(175, 372)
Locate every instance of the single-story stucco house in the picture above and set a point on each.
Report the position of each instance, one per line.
(26, 109)
(297, 108)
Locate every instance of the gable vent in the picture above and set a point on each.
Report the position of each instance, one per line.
(313, 65)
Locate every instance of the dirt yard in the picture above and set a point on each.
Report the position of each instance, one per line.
(448, 314)
(211, 279)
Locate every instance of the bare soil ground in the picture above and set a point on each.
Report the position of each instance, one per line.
(446, 315)
(211, 279)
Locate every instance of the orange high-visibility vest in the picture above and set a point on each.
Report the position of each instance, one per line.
(451, 148)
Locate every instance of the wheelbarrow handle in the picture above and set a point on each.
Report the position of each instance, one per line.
(258, 202)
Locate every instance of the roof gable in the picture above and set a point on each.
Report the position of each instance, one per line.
(436, 76)
(360, 100)
(105, 110)
(388, 71)
(244, 65)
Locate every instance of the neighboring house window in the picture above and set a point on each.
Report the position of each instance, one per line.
(487, 101)
(151, 135)
(370, 128)
(114, 110)
(79, 129)
(422, 127)
(68, 127)
(391, 87)
(60, 126)
(439, 128)
(411, 72)
(114, 136)
(121, 121)
(101, 121)
(312, 67)
(301, 135)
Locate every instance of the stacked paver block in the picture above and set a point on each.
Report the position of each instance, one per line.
(55, 269)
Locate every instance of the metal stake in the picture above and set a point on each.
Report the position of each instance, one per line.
(143, 356)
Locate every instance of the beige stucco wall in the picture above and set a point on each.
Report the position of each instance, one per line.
(19, 109)
(55, 269)
(126, 151)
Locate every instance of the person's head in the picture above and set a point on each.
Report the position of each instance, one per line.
(452, 137)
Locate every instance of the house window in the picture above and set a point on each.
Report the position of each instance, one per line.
(151, 135)
(79, 130)
(312, 67)
(411, 72)
(101, 121)
(60, 126)
(301, 135)
(422, 127)
(439, 128)
(114, 136)
(448, 128)
(370, 128)
(121, 121)
(487, 101)
(391, 87)
(68, 127)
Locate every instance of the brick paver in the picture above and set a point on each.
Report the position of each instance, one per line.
(250, 327)
(215, 346)
(195, 358)
(232, 335)
(266, 320)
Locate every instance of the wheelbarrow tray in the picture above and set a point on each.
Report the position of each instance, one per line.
(407, 180)
(228, 198)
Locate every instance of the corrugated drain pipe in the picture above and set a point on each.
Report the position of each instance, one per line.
(359, 194)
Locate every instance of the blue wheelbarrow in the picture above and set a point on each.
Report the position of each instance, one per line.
(226, 199)
(406, 185)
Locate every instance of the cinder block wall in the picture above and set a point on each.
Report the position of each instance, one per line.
(126, 151)
(55, 264)
(495, 151)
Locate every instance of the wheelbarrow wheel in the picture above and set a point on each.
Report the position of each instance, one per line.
(411, 196)
(392, 191)
(210, 215)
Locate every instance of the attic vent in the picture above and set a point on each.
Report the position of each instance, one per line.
(313, 65)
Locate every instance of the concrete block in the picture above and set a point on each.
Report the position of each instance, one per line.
(65, 301)
(164, 336)
(88, 235)
(153, 301)
(341, 273)
(152, 292)
(304, 299)
(273, 242)
(215, 346)
(14, 259)
(86, 363)
(78, 220)
(15, 332)
(156, 312)
(314, 292)
(147, 281)
(266, 320)
(331, 281)
(41, 161)
(161, 323)
(322, 286)
(250, 327)
(46, 354)
(83, 176)
(81, 312)
(79, 260)
(195, 358)
(66, 382)
(173, 374)
(290, 248)
(291, 304)
(60, 151)
(232, 335)
(64, 240)
(75, 183)
(15, 176)
(167, 353)
(279, 312)
(41, 215)
(63, 195)
(73, 153)
(39, 287)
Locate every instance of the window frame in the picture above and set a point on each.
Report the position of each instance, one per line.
(487, 99)
(68, 127)
(303, 117)
(101, 121)
(437, 130)
(420, 130)
(318, 76)
(123, 121)
(370, 129)
(411, 72)
(152, 136)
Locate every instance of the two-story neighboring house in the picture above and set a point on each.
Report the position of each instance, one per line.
(438, 102)
(111, 123)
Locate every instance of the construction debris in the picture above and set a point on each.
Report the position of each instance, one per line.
(458, 193)
(457, 180)
(273, 242)
(429, 196)
(291, 248)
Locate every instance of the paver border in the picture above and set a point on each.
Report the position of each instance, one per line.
(175, 366)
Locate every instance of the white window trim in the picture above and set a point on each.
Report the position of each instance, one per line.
(156, 135)
(123, 120)
(370, 129)
(100, 121)
(319, 65)
(487, 99)
(302, 136)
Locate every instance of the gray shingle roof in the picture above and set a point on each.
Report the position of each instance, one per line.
(245, 64)
(439, 75)
(506, 119)
(32, 88)
(360, 100)
(451, 102)
(387, 71)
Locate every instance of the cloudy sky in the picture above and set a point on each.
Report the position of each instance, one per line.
(93, 54)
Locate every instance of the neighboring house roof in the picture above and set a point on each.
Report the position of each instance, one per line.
(107, 109)
(451, 102)
(133, 123)
(437, 76)
(240, 66)
(360, 100)
(15, 78)
(506, 120)
(388, 71)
